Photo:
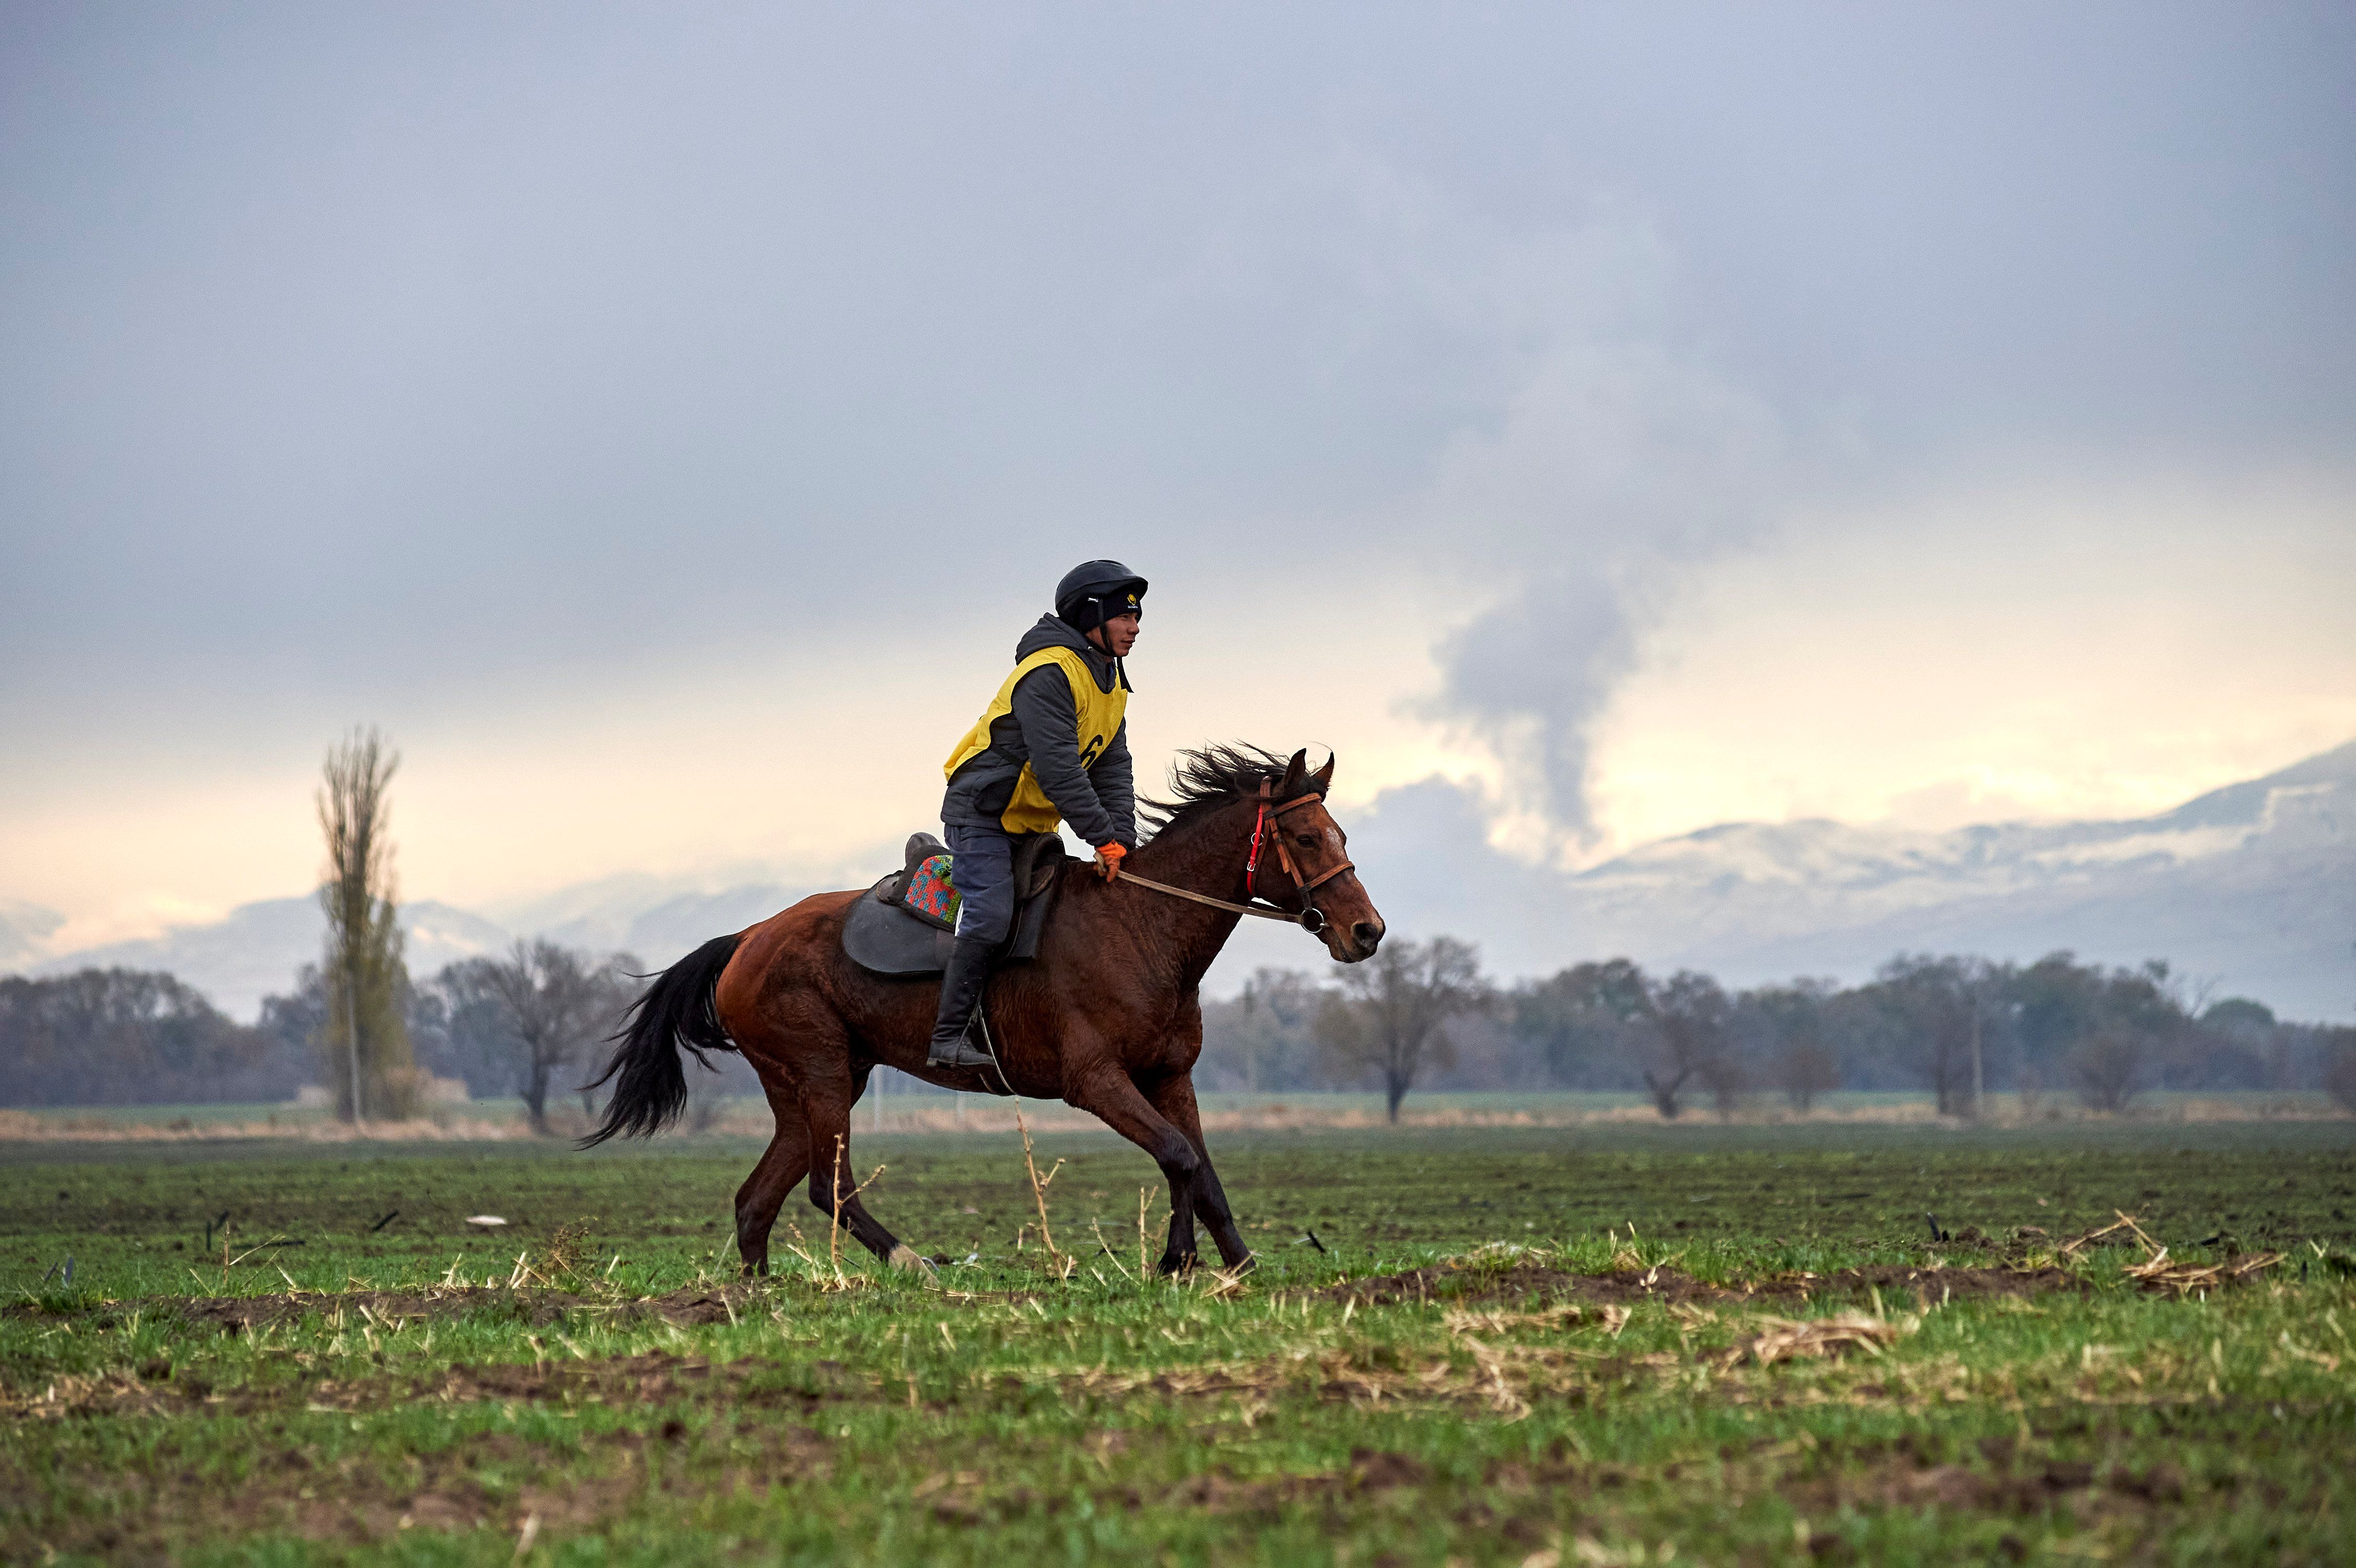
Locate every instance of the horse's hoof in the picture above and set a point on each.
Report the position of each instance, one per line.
(907, 1257)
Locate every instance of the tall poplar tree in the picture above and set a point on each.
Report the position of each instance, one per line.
(363, 1041)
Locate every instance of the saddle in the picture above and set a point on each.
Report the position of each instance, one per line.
(903, 925)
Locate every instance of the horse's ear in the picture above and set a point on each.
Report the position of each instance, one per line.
(1323, 777)
(1296, 774)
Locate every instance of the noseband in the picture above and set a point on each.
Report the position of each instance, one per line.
(1308, 916)
(1271, 815)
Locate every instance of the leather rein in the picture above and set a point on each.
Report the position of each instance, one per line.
(1309, 918)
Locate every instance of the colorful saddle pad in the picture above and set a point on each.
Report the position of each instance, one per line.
(903, 925)
(932, 892)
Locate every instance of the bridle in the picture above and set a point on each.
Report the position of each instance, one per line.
(1309, 918)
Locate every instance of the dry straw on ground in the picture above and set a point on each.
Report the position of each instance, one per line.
(2158, 1271)
(1788, 1340)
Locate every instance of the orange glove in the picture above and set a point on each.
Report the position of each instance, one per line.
(1109, 857)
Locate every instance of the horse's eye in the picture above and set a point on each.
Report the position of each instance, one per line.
(1309, 840)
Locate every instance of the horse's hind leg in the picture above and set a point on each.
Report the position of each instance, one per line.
(1174, 1098)
(786, 1162)
(833, 1190)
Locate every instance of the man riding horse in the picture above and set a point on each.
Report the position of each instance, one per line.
(1107, 1016)
(1052, 747)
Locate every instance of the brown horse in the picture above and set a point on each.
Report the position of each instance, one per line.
(1106, 1017)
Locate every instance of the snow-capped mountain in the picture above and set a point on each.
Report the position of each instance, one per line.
(653, 918)
(2252, 886)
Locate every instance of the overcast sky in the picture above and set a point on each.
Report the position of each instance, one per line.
(663, 419)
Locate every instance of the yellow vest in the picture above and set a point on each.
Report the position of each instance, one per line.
(1029, 810)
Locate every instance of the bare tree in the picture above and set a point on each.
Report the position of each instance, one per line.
(1804, 1071)
(1933, 1006)
(1727, 1083)
(363, 1038)
(2109, 1067)
(1689, 1013)
(1984, 986)
(2339, 1071)
(1391, 1012)
(540, 1006)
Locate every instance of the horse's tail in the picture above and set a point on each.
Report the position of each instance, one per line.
(677, 1012)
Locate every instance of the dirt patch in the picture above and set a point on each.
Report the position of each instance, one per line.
(1526, 1283)
(629, 1381)
(2000, 1485)
(149, 1516)
(535, 1308)
(1219, 1490)
(685, 1308)
(688, 1307)
(236, 1314)
(1935, 1285)
(963, 1497)
(637, 1381)
(1533, 1284)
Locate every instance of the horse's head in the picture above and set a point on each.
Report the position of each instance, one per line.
(1312, 856)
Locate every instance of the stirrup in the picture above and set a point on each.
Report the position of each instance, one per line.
(983, 1061)
(962, 1053)
(966, 1052)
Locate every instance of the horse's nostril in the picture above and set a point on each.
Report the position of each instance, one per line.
(1368, 933)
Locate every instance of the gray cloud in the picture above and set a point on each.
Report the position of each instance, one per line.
(1617, 463)
(356, 354)
(1530, 675)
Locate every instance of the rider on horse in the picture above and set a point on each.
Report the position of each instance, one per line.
(1052, 747)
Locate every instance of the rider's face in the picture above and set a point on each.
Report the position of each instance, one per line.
(1117, 635)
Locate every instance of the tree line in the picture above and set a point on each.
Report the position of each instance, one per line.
(1418, 1014)
(1421, 1015)
(126, 1038)
(521, 1024)
(530, 1023)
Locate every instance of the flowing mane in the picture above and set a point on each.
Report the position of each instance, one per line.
(1210, 776)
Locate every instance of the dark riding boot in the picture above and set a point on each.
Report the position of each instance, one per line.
(962, 983)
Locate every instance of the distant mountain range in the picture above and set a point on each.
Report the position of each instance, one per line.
(2252, 886)
(256, 950)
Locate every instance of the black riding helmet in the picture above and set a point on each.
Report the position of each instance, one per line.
(1095, 591)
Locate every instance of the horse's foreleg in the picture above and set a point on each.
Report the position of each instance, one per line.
(1174, 1098)
(833, 1190)
(1120, 1105)
(764, 1192)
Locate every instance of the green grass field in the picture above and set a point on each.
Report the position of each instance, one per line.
(1611, 1344)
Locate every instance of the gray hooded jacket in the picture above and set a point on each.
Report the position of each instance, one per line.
(1098, 802)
